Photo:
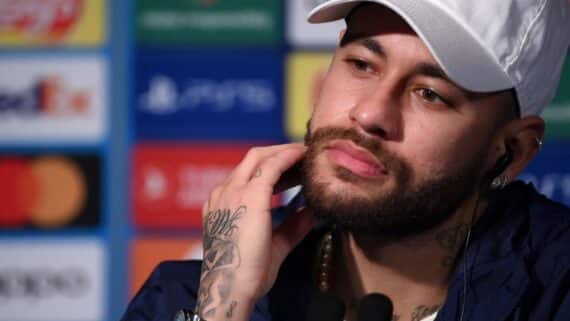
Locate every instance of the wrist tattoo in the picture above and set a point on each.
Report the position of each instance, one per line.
(221, 259)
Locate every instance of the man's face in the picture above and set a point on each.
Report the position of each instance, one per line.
(394, 146)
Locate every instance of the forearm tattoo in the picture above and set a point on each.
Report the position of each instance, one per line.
(221, 259)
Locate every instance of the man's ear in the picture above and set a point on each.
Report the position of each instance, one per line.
(341, 35)
(524, 137)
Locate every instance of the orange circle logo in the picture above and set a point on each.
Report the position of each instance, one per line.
(47, 192)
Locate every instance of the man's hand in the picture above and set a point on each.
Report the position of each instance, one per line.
(241, 253)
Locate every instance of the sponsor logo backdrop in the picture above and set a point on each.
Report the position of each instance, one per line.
(33, 23)
(300, 33)
(171, 183)
(148, 252)
(550, 171)
(52, 99)
(205, 79)
(181, 95)
(55, 156)
(52, 279)
(49, 191)
(305, 73)
(244, 22)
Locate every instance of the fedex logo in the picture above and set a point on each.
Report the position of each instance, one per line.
(48, 18)
(48, 95)
(49, 98)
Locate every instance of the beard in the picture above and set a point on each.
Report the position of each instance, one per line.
(405, 210)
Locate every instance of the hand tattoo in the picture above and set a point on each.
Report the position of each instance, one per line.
(221, 258)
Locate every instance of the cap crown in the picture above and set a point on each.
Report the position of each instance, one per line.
(528, 38)
(487, 45)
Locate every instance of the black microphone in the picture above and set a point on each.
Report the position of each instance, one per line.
(325, 307)
(375, 307)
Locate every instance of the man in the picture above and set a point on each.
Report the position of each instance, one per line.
(427, 114)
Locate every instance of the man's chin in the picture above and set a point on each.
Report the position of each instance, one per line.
(343, 182)
(339, 195)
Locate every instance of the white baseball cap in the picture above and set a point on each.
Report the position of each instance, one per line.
(486, 45)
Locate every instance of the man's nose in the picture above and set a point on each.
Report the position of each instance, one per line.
(377, 112)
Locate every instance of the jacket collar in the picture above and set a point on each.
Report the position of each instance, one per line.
(496, 273)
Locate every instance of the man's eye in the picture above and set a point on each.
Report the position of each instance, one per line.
(431, 96)
(359, 64)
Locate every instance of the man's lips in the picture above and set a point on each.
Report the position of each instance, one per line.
(354, 158)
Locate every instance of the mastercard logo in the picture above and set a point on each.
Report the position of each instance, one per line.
(46, 192)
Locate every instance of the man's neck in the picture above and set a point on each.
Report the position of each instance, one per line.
(414, 273)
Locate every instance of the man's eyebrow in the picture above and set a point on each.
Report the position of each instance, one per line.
(370, 44)
(373, 46)
(434, 71)
(423, 68)
(431, 70)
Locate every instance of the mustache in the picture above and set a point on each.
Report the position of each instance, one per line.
(317, 140)
(326, 134)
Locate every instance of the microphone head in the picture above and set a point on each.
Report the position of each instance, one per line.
(375, 307)
(325, 307)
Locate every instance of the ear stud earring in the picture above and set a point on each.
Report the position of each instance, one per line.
(499, 182)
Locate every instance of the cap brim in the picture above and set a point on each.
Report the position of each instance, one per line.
(459, 53)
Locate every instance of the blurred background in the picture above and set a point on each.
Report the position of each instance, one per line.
(118, 116)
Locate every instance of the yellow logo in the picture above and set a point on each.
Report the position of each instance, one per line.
(305, 72)
(33, 23)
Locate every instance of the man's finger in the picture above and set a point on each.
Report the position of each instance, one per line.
(273, 167)
(250, 164)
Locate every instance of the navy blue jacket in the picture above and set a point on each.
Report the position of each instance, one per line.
(518, 270)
